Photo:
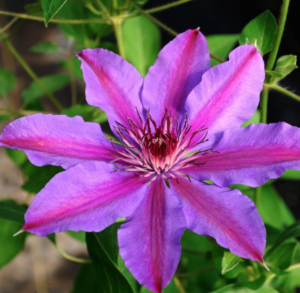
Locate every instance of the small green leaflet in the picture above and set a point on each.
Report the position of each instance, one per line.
(260, 31)
(51, 7)
(238, 289)
(229, 262)
(7, 82)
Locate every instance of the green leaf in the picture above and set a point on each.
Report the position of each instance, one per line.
(229, 262)
(80, 235)
(221, 45)
(75, 67)
(84, 281)
(11, 211)
(108, 278)
(260, 31)
(290, 232)
(32, 8)
(10, 245)
(18, 157)
(4, 117)
(141, 39)
(255, 119)
(87, 112)
(37, 177)
(45, 47)
(130, 278)
(284, 66)
(283, 256)
(51, 7)
(82, 33)
(291, 175)
(273, 209)
(52, 83)
(7, 82)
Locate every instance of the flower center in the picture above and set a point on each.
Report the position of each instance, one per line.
(151, 150)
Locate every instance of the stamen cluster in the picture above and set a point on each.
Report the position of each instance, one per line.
(153, 150)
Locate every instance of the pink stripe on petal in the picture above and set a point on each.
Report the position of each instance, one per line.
(89, 197)
(227, 215)
(229, 92)
(250, 155)
(149, 241)
(175, 73)
(112, 84)
(57, 140)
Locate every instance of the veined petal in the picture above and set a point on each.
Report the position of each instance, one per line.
(250, 155)
(57, 140)
(177, 70)
(89, 197)
(229, 92)
(149, 241)
(227, 215)
(113, 85)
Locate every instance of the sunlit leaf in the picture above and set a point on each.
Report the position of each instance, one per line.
(255, 119)
(80, 235)
(221, 45)
(260, 31)
(273, 209)
(51, 7)
(291, 175)
(141, 42)
(229, 261)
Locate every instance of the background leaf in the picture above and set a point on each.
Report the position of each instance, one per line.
(51, 7)
(108, 278)
(141, 42)
(7, 81)
(221, 45)
(260, 31)
(52, 83)
(11, 211)
(10, 245)
(45, 47)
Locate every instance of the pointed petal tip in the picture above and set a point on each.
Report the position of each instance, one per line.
(19, 232)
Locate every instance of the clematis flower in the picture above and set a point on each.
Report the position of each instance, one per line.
(182, 106)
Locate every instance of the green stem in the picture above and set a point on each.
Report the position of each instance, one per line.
(70, 257)
(159, 23)
(54, 20)
(8, 25)
(91, 7)
(117, 24)
(284, 91)
(101, 6)
(279, 33)
(179, 285)
(264, 104)
(31, 73)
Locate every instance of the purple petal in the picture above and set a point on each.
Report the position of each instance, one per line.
(89, 197)
(176, 72)
(57, 140)
(113, 85)
(229, 93)
(227, 215)
(250, 155)
(149, 241)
